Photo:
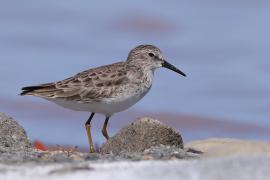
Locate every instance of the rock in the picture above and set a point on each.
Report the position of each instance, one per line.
(12, 136)
(14, 144)
(141, 135)
(230, 147)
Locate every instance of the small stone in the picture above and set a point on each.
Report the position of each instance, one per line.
(141, 135)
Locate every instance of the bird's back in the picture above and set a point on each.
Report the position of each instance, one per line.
(104, 83)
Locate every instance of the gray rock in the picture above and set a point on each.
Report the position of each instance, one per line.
(14, 144)
(141, 135)
(12, 136)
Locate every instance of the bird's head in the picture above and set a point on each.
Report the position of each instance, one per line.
(150, 57)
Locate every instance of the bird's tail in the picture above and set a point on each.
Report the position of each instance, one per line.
(39, 89)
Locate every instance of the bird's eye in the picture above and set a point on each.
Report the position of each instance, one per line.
(151, 54)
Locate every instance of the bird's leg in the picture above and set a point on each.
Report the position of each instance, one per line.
(104, 129)
(88, 131)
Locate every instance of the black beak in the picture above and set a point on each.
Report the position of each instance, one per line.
(173, 68)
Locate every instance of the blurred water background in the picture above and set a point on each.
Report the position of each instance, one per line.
(223, 46)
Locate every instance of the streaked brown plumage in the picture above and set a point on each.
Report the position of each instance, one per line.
(93, 85)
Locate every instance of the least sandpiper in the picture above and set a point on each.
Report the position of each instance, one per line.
(107, 89)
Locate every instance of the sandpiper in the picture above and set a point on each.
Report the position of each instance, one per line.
(106, 89)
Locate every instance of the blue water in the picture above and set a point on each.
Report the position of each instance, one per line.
(222, 46)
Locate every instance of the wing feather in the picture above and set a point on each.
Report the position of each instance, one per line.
(94, 84)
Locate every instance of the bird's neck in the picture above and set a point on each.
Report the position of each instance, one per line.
(142, 75)
(147, 76)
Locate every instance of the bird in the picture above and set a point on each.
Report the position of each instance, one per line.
(107, 89)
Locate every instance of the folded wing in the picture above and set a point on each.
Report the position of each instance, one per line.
(92, 85)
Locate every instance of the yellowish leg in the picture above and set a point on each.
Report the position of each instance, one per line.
(88, 131)
(104, 129)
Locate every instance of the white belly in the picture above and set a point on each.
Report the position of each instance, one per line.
(107, 109)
